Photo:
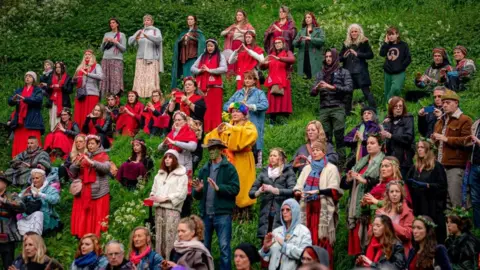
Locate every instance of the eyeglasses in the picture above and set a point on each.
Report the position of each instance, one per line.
(114, 254)
(278, 42)
(440, 96)
(286, 210)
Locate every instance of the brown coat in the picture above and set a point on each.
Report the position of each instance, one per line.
(455, 151)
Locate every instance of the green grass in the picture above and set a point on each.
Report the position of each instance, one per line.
(35, 30)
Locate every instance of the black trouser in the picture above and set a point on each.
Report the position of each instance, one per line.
(367, 94)
(7, 253)
(187, 207)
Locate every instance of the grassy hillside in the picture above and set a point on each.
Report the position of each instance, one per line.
(35, 30)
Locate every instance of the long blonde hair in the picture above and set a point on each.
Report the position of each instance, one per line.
(397, 175)
(321, 132)
(388, 203)
(93, 60)
(361, 36)
(74, 153)
(40, 255)
(427, 162)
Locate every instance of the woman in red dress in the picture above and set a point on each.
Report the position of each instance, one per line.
(87, 76)
(246, 57)
(208, 70)
(27, 119)
(92, 205)
(59, 142)
(279, 63)
(99, 123)
(59, 89)
(154, 119)
(284, 27)
(128, 121)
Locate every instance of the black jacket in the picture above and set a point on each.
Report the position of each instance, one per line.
(463, 250)
(401, 145)
(441, 258)
(285, 183)
(358, 64)
(396, 262)
(342, 80)
(67, 89)
(426, 123)
(104, 129)
(397, 57)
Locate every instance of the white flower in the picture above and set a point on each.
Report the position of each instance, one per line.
(439, 22)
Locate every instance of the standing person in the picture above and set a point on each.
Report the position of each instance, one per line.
(217, 188)
(427, 184)
(10, 206)
(235, 34)
(128, 122)
(149, 61)
(245, 256)
(48, 68)
(283, 27)
(169, 191)
(257, 104)
(463, 70)
(426, 254)
(360, 180)
(399, 133)
(208, 70)
(89, 254)
(188, 251)
(34, 255)
(279, 63)
(60, 141)
(427, 116)
(273, 185)
(384, 249)
(397, 59)
(436, 73)
(91, 205)
(474, 177)
(59, 89)
(333, 83)
(86, 79)
(154, 119)
(355, 52)
(99, 123)
(137, 167)
(247, 58)
(113, 46)
(189, 45)
(319, 187)
(27, 120)
(115, 252)
(310, 41)
(142, 256)
(239, 136)
(283, 247)
(451, 135)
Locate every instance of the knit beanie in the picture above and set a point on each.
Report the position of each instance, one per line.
(462, 49)
(33, 74)
(251, 252)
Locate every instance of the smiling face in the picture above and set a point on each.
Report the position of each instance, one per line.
(210, 47)
(354, 33)
(386, 169)
(419, 231)
(140, 239)
(394, 193)
(458, 55)
(184, 232)
(378, 228)
(87, 246)
(29, 247)
(113, 25)
(38, 180)
(241, 260)
(328, 58)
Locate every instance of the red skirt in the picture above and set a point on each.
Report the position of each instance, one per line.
(127, 125)
(312, 210)
(59, 140)
(20, 139)
(90, 219)
(213, 115)
(280, 104)
(83, 108)
(235, 45)
(354, 245)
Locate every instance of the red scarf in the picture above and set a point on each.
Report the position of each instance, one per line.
(277, 71)
(80, 74)
(374, 250)
(148, 115)
(56, 96)
(246, 62)
(89, 176)
(185, 134)
(185, 108)
(117, 37)
(136, 259)
(93, 122)
(22, 112)
(379, 190)
(205, 79)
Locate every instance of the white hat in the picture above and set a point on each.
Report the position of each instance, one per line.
(33, 74)
(173, 152)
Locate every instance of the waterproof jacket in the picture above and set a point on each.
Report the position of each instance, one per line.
(463, 251)
(396, 262)
(342, 80)
(34, 119)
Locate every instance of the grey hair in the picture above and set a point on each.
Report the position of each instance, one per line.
(111, 242)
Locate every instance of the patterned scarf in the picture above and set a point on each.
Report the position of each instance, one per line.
(86, 260)
(312, 182)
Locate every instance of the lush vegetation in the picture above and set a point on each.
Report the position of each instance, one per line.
(35, 30)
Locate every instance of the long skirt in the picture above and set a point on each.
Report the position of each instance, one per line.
(166, 222)
(83, 108)
(112, 82)
(20, 139)
(92, 218)
(54, 120)
(357, 237)
(245, 165)
(127, 125)
(213, 101)
(58, 140)
(312, 210)
(187, 66)
(280, 103)
(147, 77)
(31, 223)
(235, 45)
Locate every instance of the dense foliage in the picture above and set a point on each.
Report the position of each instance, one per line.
(35, 30)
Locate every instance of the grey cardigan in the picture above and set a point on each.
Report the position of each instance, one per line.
(110, 54)
(102, 169)
(90, 81)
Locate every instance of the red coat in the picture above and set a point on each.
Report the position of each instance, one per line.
(128, 124)
(403, 230)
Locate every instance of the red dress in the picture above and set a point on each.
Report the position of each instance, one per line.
(160, 121)
(128, 124)
(84, 107)
(278, 74)
(211, 85)
(88, 215)
(21, 134)
(57, 94)
(58, 139)
(245, 63)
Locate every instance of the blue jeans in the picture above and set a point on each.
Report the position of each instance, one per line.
(223, 226)
(474, 183)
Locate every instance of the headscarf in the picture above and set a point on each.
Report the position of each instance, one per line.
(296, 217)
(442, 52)
(251, 252)
(462, 49)
(329, 70)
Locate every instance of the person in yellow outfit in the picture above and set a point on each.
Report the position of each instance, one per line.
(239, 135)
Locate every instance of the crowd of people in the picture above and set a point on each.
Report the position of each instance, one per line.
(408, 201)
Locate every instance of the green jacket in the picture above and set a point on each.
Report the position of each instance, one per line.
(315, 50)
(228, 188)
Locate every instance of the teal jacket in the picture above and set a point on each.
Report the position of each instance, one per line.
(228, 188)
(315, 50)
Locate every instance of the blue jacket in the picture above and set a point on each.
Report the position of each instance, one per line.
(34, 119)
(152, 261)
(257, 116)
